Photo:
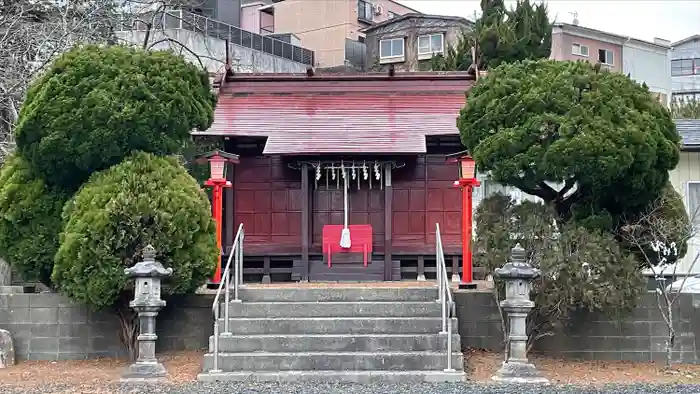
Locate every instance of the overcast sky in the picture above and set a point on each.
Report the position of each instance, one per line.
(644, 19)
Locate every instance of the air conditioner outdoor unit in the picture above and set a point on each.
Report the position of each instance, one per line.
(378, 9)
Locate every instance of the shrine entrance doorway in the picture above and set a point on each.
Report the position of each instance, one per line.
(348, 220)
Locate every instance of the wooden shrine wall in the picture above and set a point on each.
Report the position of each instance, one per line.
(267, 201)
(423, 195)
(366, 206)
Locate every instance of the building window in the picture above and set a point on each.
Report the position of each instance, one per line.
(364, 10)
(605, 56)
(693, 203)
(580, 50)
(685, 67)
(392, 15)
(391, 49)
(430, 44)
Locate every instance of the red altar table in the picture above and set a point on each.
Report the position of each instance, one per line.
(360, 237)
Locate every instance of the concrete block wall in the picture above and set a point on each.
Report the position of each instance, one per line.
(48, 326)
(637, 336)
(186, 323)
(51, 327)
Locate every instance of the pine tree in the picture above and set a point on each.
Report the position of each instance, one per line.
(502, 36)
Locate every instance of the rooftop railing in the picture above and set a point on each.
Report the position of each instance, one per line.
(181, 19)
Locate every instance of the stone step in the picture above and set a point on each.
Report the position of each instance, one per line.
(334, 343)
(360, 377)
(333, 361)
(336, 325)
(11, 289)
(329, 294)
(333, 309)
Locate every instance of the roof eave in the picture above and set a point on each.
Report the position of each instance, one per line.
(407, 76)
(414, 15)
(690, 148)
(573, 29)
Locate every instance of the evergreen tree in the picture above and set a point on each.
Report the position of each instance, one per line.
(598, 135)
(501, 36)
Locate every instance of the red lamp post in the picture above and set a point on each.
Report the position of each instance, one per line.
(218, 161)
(467, 181)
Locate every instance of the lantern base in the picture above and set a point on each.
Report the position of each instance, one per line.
(145, 372)
(467, 286)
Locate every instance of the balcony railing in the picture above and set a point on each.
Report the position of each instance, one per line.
(180, 19)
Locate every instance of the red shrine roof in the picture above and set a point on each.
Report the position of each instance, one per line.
(341, 113)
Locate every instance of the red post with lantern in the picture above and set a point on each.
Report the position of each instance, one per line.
(467, 181)
(218, 161)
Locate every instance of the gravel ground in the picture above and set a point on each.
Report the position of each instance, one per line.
(263, 388)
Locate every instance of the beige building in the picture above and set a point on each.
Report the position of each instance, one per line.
(686, 180)
(331, 28)
(410, 41)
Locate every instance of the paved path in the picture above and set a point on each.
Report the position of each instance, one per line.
(266, 388)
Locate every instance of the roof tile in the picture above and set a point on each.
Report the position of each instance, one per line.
(358, 117)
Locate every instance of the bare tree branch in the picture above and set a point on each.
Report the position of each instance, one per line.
(658, 236)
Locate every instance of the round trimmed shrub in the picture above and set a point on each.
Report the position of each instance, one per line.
(143, 200)
(96, 105)
(30, 221)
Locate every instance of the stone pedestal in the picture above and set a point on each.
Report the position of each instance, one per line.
(7, 350)
(517, 275)
(147, 302)
(5, 273)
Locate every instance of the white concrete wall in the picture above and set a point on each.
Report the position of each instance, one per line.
(212, 52)
(650, 65)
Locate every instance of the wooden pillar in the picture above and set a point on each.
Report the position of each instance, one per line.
(230, 226)
(266, 279)
(388, 194)
(421, 268)
(455, 269)
(305, 221)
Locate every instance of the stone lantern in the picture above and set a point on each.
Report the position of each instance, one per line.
(517, 275)
(147, 302)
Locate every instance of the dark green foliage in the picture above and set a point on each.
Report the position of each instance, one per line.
(689, 109)
(583, 271)
(143, 200)
(599, 134)
(492, 244)
(30, 220)
(501, 36)
(457, 57)
(96, 105)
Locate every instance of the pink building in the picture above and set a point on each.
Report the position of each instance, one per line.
(644, 61)
(331, 28)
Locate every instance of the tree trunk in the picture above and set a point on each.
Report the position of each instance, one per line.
(671, 338)
(128, 326)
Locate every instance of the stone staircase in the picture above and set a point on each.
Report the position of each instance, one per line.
(338, 334)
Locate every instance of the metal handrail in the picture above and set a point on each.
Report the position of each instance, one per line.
(236, 256)
(444, 296)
